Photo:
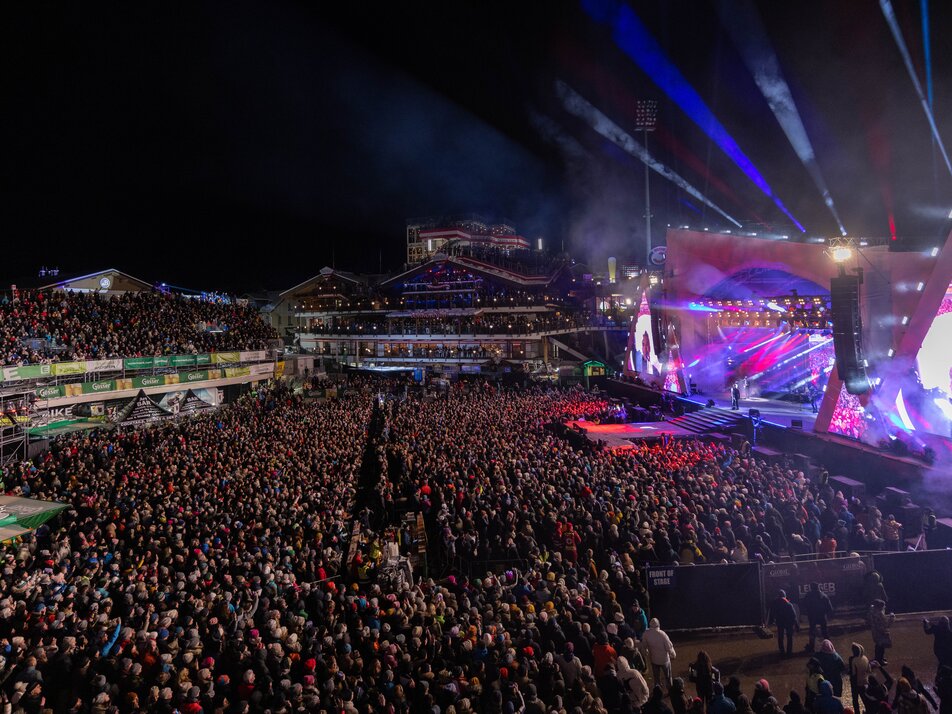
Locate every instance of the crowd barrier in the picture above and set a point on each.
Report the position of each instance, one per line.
(690, 597)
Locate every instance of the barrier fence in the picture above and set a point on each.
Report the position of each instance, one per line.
(689, 597)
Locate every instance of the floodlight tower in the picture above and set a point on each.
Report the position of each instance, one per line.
(646, 119)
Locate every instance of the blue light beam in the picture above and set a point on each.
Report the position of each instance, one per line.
(636, 42)
(890, 16)
(742, 22)
(576, 105)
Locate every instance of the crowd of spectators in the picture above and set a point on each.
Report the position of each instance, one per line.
(488, 323)
(44, 326)
(200, 567)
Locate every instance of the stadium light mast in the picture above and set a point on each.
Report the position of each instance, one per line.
(646, 119)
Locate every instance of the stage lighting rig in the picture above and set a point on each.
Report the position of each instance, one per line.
(841, 250)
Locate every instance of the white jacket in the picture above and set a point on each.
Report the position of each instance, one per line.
(658, 646)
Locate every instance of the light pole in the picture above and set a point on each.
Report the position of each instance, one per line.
(646, 119)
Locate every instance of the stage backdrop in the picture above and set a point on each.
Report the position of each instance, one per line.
(900, 297)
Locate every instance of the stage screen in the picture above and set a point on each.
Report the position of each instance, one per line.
(925, 401)
(642, 358)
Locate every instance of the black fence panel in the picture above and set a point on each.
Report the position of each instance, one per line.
(691, 597)
(916, 582)
(840, 578)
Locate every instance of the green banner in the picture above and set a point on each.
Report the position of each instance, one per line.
(162, 361)
(51, 392)
(137, 363)
(183, 360)
(197, 376)
(31, 371)
(105, 385)
(153, 380)
(203, 359)
(66, 368)
(237, 371)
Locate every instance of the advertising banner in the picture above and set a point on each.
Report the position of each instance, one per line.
(253, 356)
(104, 365)
(226, 357)
(237, 371)
(199, 375)
(61, 369)
(172, 378)
(137, 363)
(152, 380)
(203, 359)
(840, 578)
(106, 385)
(141, 410)
(262, 368)
(32, 371)
(183, 360)
(124, 383)
(50, 392)
(279, 368)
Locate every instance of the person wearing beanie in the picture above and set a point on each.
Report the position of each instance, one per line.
(761, 694)
(818, 608)
(657, 647)
(784, 615)
(879, 624)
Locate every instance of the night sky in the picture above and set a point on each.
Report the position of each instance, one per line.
(245, 145)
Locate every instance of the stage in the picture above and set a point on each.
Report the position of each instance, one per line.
(776, 411)
(618, 437)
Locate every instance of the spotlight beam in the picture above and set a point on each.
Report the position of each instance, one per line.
(641, 47)
(749, 36)
(890, 16)
(576, 105)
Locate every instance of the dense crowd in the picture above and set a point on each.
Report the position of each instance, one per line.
(202, 565)
(193, 566)
(488, 323)
(42, 326)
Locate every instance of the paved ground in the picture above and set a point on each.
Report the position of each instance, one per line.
(747, 656)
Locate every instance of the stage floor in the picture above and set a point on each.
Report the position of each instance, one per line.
(622, 436)
(776, 411)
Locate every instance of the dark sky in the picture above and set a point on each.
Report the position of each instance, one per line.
(242, 145)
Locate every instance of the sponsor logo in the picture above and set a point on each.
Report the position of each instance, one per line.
(48, 391)
(101, 386)
(152, 381)
(658, 255)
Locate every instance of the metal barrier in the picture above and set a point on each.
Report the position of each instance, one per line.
(691, 597)
(921, 581)
(687, 597)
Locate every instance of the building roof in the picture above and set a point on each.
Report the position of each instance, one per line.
(326, 272)
(62, 284)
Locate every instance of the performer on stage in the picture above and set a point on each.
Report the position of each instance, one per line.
(735, 396)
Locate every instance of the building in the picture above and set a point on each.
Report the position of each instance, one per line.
(428, 236)
(463, 309)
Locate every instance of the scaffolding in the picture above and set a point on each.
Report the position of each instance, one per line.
(16, 416)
